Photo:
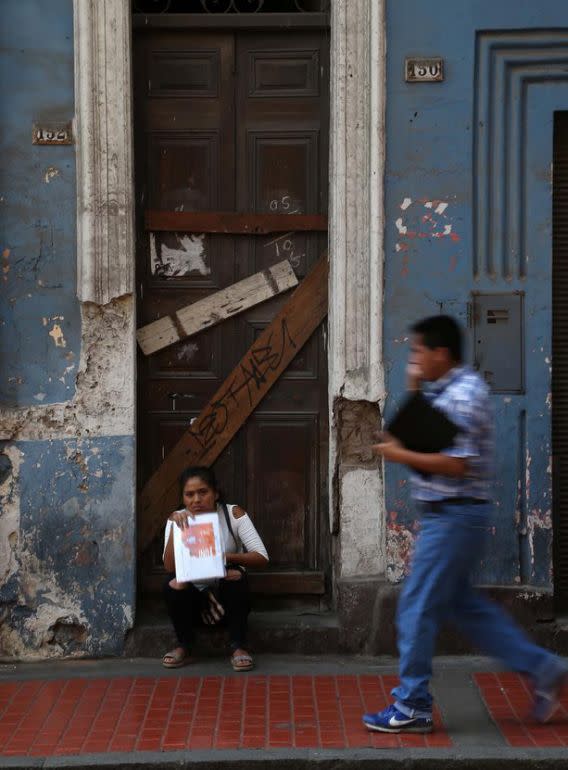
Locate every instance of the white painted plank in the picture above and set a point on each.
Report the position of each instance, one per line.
(217, 307)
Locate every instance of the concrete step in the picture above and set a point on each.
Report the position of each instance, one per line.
(283, 631)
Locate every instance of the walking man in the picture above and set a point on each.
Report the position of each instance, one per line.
(453, 493)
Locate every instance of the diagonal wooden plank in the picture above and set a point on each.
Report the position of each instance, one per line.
(236, 399)
(216, 307)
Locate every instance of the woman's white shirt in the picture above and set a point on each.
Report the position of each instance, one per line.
(244, 530)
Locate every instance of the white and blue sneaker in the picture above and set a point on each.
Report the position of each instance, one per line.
(391, 720)
(546, 694)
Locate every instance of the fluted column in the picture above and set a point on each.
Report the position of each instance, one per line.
(356, 216)
(356, 282)
(103, 129)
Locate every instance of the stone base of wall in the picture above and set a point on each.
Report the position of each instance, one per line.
(362, 625)
(366, 609)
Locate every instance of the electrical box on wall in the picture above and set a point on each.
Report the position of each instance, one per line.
(498, 328)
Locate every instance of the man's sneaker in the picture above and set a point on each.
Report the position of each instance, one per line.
(546, 697)
(391, 720)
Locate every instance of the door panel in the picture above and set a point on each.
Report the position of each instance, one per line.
(233, 121)
(282, 454)
(281, 148)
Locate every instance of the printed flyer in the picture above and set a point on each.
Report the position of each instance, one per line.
(198, 549)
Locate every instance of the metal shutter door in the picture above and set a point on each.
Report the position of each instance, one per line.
(560, 358)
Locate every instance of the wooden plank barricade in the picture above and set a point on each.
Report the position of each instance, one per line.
(215, 308)
(232, 223)
(236, 399)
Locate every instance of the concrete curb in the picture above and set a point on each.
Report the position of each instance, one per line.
(431, 759)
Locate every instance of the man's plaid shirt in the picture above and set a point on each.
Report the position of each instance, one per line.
(464, 397)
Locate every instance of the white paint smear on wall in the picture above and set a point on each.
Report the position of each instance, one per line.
(187, 351)
(57, 335)
(50, 173)
(188, 258)
(402, 229)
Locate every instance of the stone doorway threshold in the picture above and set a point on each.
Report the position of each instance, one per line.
(299, 632)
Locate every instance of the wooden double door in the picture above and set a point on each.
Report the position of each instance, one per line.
(236, 121)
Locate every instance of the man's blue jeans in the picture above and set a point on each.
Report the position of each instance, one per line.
(439, 588)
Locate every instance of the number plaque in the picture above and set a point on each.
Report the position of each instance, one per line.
(52, 133)
(424, 70)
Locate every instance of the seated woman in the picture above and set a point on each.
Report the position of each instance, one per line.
(190, 604)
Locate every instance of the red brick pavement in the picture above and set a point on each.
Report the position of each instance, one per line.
(77, 716)
(508, 700)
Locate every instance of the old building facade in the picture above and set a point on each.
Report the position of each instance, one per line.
(438, 196)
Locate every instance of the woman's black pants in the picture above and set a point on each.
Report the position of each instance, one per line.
(185, 606)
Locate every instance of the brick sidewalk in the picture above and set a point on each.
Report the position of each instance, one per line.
(79, 716)
(83, 714)
(508, 700)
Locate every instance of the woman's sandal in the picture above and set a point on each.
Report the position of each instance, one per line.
(176, 659)
(242, 662)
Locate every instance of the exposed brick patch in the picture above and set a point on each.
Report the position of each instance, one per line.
(357, 423)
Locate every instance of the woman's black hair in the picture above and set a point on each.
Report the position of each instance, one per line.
(207, 475)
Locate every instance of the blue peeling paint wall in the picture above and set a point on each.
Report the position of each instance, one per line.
(76, 547)
(67, 558)
(40, 327)
(469, 209)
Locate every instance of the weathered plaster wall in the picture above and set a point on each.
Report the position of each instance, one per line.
(67, 560)
(360, 489)
(68, 582)
(468, 208)
(103, 400)
(39, 328)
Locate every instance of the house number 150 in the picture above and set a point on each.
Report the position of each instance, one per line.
(424, 70)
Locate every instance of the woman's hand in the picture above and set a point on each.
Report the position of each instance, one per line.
(233, 574)
(182, 518)
(214, 611)
(251, 559)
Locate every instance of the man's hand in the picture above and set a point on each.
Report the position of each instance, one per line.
(389, 448)
(440, 464)
(413, 376)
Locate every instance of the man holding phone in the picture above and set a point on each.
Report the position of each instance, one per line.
(452, 488)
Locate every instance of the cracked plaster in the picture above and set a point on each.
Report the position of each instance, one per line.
(103, 404)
